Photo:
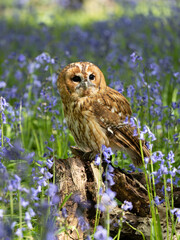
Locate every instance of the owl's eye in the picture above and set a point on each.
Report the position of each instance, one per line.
(91, 77)
(76, 79)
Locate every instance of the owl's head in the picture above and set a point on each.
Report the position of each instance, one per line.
(80, 79)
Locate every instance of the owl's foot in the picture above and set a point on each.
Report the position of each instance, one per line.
(76, 151)
(90, 156)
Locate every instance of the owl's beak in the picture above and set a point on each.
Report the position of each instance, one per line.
(85, 84)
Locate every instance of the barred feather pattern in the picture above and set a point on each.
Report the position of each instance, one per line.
(96, 113)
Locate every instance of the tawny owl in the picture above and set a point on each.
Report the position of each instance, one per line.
(96, 113)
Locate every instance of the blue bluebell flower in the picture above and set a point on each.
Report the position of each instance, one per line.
(176, 212)
(107, 201)
(127, 206)
(83, 223)
(97, 160)
(157, 201)
(64, 212)
(101, 234)
(2, 84)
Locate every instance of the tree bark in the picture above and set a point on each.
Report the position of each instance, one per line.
(79, 176)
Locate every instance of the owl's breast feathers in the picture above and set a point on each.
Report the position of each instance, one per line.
(100, 119)
(87, 132)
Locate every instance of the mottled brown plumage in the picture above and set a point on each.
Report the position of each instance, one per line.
(96, 113)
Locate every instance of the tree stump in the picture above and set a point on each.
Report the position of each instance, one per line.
(79, 176)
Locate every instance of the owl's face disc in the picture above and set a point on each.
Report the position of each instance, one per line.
(81, 79)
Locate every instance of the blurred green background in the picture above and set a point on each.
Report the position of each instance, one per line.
(82, 12)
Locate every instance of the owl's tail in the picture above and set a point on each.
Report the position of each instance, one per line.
(136, 156)
(125, 140)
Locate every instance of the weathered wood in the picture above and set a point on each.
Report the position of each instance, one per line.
(73, 176)
(79, 176)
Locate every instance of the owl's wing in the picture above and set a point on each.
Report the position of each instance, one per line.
(111, 109)
(115, 102)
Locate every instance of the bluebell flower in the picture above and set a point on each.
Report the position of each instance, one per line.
(29, 157)
(126, 121)
(52, 139)
(31, 212)
(29, 225)
(163, 169)
(97, 160)
(83, 224)
(176, 74)
(77, 198)
(107, 150)
(127, 205)
(176, 137)
(18, 75)
(36, 82)
(88, 237)
(118, 85)
(19, 232)
(135, 133)
(50, 149)
(107, 201)
(132, 122)
(46, 68)
(24, 203)
(52, 61)
(173, 210)
(55, 200)
(49, 229)
(150, 134)
(146, 160)
(3, 117)
(157, 156)
(100, 191)
(1, 213)
(109, 178)
(176, 212)
(157, 202)
(110, 169)
(48, 175)
(44, 58)
(174, 105)
(42, 182)
(21, 58)
(154, 69)
(176, 181)
(28, 220)
(15, 183)
(13, 224)
(107, 153)
(110, 193)
(158, 100)
(101, 234)
(130, 91)
(2, 84)
(49, 163)
(64, 212)
(31, 67)
(141, 136)
(133, 168)
(134, 57)
(170, 157)
(173, 172)
(3, 103)
(4, 231)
